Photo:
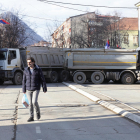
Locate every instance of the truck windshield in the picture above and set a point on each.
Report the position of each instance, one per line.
(3, 55)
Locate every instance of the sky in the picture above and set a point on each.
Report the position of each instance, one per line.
(40, 15)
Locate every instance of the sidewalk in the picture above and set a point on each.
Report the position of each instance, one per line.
(8, 99)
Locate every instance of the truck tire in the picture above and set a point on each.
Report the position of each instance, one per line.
(97, 78)
(54, 77)
(128, 78)
(1, 82)
(64, 75)
(17, 80)
(79, 77)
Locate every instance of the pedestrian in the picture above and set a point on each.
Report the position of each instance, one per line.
(33, 78)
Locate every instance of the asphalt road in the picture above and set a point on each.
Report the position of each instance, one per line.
(65, 114)
(129, 94)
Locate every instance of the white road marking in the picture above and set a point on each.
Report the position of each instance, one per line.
(38, 129)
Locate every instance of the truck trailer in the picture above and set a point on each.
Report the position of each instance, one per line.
(95, 65)
(103, 65)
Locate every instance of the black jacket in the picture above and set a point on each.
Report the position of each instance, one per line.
(33, 81)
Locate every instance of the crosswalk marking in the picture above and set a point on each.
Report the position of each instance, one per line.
(38, 129)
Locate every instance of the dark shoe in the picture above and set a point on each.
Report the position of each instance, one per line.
(30, 119)
(38, 116)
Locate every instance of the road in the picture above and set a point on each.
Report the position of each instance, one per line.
(65, 114)
(128, 94)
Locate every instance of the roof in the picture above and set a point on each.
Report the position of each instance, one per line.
(82, 14)
(126, 24)
(106, 16)
(71, 18)
(3, 50)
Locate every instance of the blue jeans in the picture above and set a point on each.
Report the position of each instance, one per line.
(33, 102)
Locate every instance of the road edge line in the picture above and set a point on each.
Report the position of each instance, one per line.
(106, 104)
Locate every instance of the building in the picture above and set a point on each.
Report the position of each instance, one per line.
(82, 31)
(92, 31)
(42, 44)
(73, 33)
(126, 33)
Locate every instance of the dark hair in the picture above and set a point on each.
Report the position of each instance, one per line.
(31, 58)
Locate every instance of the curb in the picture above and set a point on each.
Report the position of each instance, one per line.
(107, 105)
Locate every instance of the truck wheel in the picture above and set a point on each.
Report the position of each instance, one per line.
(17, 80)
(64, 76)
(54, 77)
(1, 82)
(79, 77)
(97, 78)
(128, 78)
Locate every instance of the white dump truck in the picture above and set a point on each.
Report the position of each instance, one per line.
(13, 62)
(95, 65)
(11, 65)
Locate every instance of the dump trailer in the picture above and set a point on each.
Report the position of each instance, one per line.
(51, 61)
(102, 65)
(13, 61)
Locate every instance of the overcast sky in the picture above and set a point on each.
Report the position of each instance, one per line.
(36, 8)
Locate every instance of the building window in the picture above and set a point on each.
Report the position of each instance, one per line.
(126, 39)
(135, 40)
(11, 56)
(62, 28)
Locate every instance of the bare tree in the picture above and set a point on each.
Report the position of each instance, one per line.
(92, 30)
(50, 27)
(13, 35)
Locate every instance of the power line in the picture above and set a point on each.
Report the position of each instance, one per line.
(86, 5)
(46, 18)
(64, 6)
(35, 8)
(35, 17)
(41, 18)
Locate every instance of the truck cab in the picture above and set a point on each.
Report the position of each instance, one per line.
(10, 65)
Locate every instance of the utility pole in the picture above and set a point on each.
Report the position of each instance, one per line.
(138, 5)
